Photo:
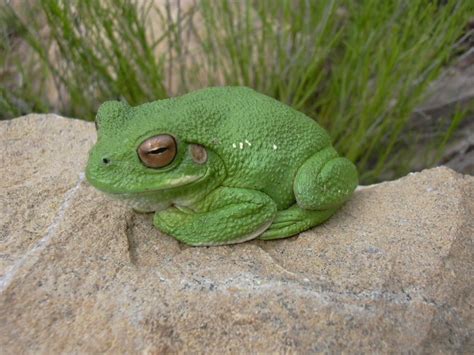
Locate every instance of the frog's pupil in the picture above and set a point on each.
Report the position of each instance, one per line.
(158, 151)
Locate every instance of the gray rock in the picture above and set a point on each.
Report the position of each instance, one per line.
(392, 271)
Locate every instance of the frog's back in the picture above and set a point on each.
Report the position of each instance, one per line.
(262, 141)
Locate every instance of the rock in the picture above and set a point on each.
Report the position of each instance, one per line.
(392, 271)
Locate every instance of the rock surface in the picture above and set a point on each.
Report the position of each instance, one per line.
(392, 271)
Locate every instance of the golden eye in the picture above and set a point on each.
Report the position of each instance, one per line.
(158, 151)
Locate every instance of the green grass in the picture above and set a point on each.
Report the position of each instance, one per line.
(359, 67)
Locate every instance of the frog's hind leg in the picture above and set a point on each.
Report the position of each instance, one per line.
(324, 181)
(295, 220)
(322, 184)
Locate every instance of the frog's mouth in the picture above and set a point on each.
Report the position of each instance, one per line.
(164, 185)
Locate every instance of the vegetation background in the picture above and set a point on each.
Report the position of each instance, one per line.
(359, 67)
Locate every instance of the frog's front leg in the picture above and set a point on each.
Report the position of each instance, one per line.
(225, 216)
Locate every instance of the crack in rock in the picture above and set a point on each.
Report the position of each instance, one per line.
(32, 254)
(132, 245)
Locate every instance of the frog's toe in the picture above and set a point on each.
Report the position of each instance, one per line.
(295, 220)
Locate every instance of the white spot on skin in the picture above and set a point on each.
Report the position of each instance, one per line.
(241, 145)
(233, 145)
(246, 141)
(275, 147)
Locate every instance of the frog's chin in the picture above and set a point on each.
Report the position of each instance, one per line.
(146, 200)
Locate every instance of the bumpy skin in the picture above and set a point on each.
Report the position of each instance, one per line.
(270, 172)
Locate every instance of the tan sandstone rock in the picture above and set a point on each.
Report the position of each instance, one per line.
(392, 271)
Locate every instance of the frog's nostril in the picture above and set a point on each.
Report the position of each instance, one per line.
(105, 161)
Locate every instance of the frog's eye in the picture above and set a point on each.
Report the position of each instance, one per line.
(158, 151)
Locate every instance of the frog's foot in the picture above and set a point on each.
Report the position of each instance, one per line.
(295, 220)
(324, 181)
(226, 216)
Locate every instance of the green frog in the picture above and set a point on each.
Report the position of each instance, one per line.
(220, 165)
